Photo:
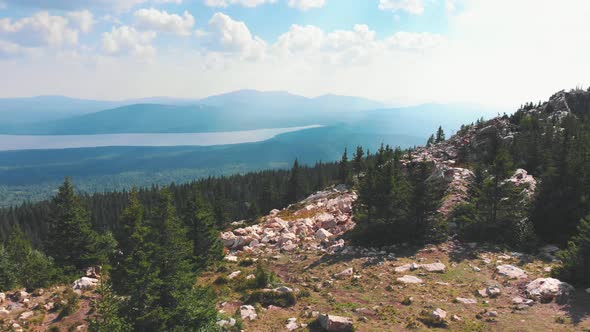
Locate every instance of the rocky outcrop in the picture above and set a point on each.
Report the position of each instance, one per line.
(409, 280)
(248, 312)
(85, 283)
(325, 216)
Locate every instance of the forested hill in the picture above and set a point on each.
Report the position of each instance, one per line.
(510, 190)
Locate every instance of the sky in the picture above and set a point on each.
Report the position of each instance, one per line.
(490, 52)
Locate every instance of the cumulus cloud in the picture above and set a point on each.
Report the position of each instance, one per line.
(83, 19)
(41, 29)
(118, 5)
(235, 37)
(12, 50)
(307, 4)
(153, 19)
(243, 3)
(125, 40)
(411, 6)
(358, 45)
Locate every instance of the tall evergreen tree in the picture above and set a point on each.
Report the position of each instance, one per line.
(295, 185)
(358, 160)
(575, 258)
(71, 241)
(207, 247)
(440, 135)
(345, 174)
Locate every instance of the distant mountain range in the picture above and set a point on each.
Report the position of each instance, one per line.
(240, 110)
(17, 111)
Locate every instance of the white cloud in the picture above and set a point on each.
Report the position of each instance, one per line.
(307, 4)
(356, 46)
(243, 3)
(125, 40)
(178, 2)
(11, 50)
(153, 19)
(40, 29)
(235, 37)
(83, 19)
(411, 6)
(118, 5)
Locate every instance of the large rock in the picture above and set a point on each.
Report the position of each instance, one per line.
(344, 274)
(434, 267)
(26, 315)
(248, 312)
(322, 234)
(438, 315)
(547, 289)
(463, 300)
(85, 283)
(2, 297)
(512, 272)
(4, 312)
(332, 323)
(409, 280)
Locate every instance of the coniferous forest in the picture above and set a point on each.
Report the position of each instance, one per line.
(153, 242)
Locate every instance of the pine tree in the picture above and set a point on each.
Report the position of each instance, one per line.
(358, 160)
(430, 141)
(344, 169)
(440, 135)
(70, 240)
(575, 258)
(8, 274)
(32, 268)
(107, 311)
(294, 187)
(207, 247)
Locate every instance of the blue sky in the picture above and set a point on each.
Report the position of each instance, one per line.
(400, 51)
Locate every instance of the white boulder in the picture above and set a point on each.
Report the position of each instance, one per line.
(331, 323)
(547, 289)
(85, 283)
(248, 312)
(512, 272)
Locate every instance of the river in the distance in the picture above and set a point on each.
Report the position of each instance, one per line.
(45, 142)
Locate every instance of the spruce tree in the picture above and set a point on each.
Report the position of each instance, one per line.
(8, 274)
(358, 160)
(294, 186)
(440, 135)
(107, 311)
(344, 169)
(575, 258)
(71, 241)
(207, 247)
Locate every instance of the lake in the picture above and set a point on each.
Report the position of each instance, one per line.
(28, 142)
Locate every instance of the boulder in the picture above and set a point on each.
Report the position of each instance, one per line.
(438, 315)
(291, 324)
(234, 275)
(434, 267)
(463, 300)
(4, 312)
(226, 322)
(2, 297)
(344, 274)
(331, 323)
(403, 268)
(322, 234)
(85, 283)
(231, 258)
(228, 239)
(26, 315)
(512, 272)
(248, 312)
(409, 280)
(547, 289)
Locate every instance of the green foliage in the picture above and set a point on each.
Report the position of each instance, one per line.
(200, 218)
(575, 258)
(107, 312)
(22, 265)
(440, 135)
(271, 297)
(71, 241)
(67, 303)
(395, 204)
(264, 277)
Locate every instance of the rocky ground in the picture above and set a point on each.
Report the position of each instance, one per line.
(453, 286)
(63, 308)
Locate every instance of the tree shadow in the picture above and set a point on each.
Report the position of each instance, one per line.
(578, 306)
